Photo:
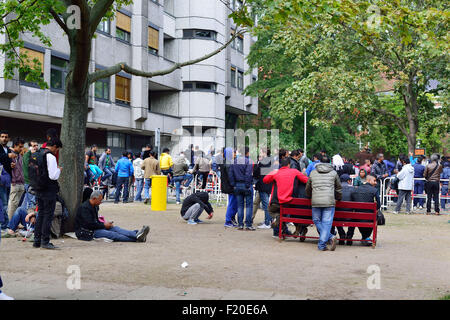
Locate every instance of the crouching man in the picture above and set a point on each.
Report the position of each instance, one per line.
(193, 207)
(88, 226)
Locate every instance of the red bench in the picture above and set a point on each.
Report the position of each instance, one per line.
(299, 211)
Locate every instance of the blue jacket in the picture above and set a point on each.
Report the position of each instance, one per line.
(124, 168)
(240, 172)
(311, 167)
(418, 170)
(445, 175)
(389, 166)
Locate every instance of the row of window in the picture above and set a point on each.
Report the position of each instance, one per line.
(240, 78)
(238, 42)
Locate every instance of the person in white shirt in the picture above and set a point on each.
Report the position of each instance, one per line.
(138, 176)
(405, 185)
(46, 196)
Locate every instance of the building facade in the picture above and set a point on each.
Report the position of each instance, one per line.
(126, 111)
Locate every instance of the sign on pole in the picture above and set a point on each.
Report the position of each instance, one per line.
(419, 152)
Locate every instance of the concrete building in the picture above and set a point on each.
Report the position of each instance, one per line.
(126, 111)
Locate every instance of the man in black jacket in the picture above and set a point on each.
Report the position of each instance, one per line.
(295, 157)
(225, 162)
(263, 168)
(193, 207)
(88, 225)
(347, 190)
(366, 192)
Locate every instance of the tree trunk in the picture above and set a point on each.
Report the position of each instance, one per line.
(73, 137)
(411, 110)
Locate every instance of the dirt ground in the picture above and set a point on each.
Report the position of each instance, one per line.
(412, 253)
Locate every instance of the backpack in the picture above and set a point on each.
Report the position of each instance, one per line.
(380, 218)
(37, 169)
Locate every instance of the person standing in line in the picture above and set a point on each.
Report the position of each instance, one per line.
(295, 158)
(166, 163)
(51, 134)
(17, 179)
(444, 185)
(180, 173)
(312, 165)
(46, 187)
(304, 161)
(6, 157)
(241, 178)
(124, 169)
(203, 167)
(263, 168)
(432, 176)
(324, 188)
(405, 185)
(29, 199)
(225, 163)
(419, 185)
(151, 168)
(138, 176)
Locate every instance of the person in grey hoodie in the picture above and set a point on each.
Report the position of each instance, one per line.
(324, 188)
(405, 185)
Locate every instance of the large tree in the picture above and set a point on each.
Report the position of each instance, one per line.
(342, 52)
(78, 19)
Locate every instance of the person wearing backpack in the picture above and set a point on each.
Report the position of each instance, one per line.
(43, 172)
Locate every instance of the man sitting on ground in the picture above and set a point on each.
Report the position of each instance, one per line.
(193, 207)
(24, 217)
(88, 226)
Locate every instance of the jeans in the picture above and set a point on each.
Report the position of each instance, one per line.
(168, 173)
(4, 197)
(204, 176)
(139, 186)
(265, 205)
(178, 180)
(96, 171)
(46, 207)
(116, 234)
(15, 195)
(29, 200)
(108, 173)
(122, 181)
(444, 192)
(404, 194)
(240, 196)
(18, 217)
(419, 186)
(147, 186)
(323, 219)
(231, 208)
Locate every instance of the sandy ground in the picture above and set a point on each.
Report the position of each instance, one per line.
(412, 253)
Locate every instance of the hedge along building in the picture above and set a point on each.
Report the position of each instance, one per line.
(125, 111)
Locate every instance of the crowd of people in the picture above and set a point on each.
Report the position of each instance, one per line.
(29, 189)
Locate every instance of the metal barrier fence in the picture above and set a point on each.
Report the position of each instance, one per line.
(387, 194)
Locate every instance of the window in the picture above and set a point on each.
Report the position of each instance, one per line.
(199, 34)
(233, 77)
(233, 43)
(116, 140)
(123, 27)
(199, 86)
(58, 73)
(153, 40)
(102, 89)
(32, 55)
(123, 90)
(240, 80)
(240, 43)
(104, 26)
(238, 4)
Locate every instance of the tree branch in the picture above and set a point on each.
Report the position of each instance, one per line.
(123, 66)
(99, 10)
(398, 122)
(59, 21)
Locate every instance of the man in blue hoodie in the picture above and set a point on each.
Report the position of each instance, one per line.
(419, 185)
(241, 179)
(124, 169)
(444, 184)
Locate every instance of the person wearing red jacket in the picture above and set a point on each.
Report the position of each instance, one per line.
(285, 183)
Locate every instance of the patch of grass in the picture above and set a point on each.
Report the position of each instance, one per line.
(447, 297)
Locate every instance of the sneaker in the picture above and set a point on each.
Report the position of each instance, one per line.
(251, 228)
(36, 245)
(332, 242)
(142, 234)
(49, 246)
(367, 243)
(199, 221)
(395, 212)
(264, 226)
(5, 297)
(103, 239)
(241, 228)
(276, 237)
(178, 202)
(146, 201)
(229, 225)
(191, 222)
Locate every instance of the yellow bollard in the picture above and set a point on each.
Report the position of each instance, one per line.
(159, 193)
